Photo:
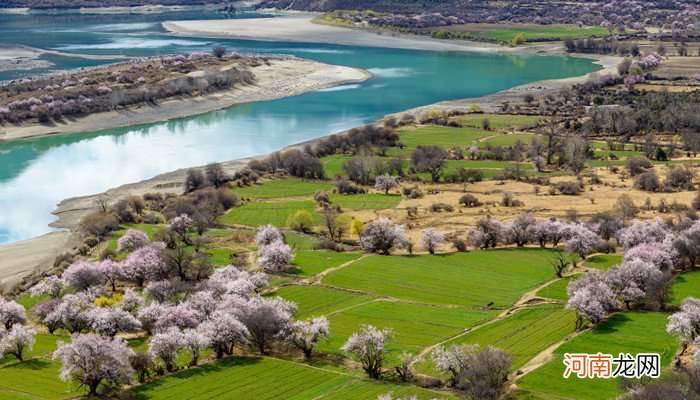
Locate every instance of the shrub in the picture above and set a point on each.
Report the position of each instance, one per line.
(678, 178)
(438, 207)
(469, 200)
(605, 246)
(301, 221)
(412, 192)
(509, 200)
(637, 165)
(647, 181)
(569, 188)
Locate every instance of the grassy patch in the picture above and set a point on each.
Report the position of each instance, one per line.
(443, 136)
(509, 140)
(522, 335)
(602, 261)
(333, 165)
(319, 300)
(308, 262)
(557, 289)
(372, 201)
(543, 32)
(685, 285)
(468, 279)
(497, 121)
(637, 332)
(415, 326)
(275, 213)
(36, 378)
(264, 378)
(286, 187)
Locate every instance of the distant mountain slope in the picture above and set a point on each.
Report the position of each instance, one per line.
(70, 4)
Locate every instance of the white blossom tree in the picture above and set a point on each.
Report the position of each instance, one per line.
(265, 318)
(368, 346)
(16, 341)
(11, 313)
(268, 234)
(91, 360)
(110, 321)
(132, 240)
(224, 331)
(304, 335)
(385, 183)
(430, 239)
(165, 346)
(275, 257)
(381, 236)
(194, 341)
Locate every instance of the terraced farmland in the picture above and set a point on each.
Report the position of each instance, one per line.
(312, 262)
(471, 279)
(266, 378)
(631, 332)
(373, 201)
(523, 334)
(319, 300)
(275, 213)
(557, 289)
(685, 285)
(287, 187)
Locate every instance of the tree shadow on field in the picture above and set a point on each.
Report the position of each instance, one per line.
(611, 324)
(34, 364)
(142, 392)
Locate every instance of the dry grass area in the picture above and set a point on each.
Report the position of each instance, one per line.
(678, 67)
(595, 199)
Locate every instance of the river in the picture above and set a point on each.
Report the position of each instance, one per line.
(36, 174)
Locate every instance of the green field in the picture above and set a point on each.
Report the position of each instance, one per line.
(630, 332)
(34, 379)
(286, 187)
(314, 301)
(333, 165)
(415, 326)
(509, 140)
(543, 32)
(522, 335)
(602, 261)
(309, 262)
(275, 213)
(557, 289)
(373, 201)
(685, 285)
(467, 279)
(497, 121)
(443, 136)
(266, 378)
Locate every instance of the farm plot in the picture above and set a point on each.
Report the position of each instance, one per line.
(35, 378)
(557, 289)
(333, 164)
(475, 279)
(497, 121)
(309, 262)
(44, 345)
(287, 187)
(319, 300)
(275, 213)
(265, 378)
(371, 201)
(629, 332)
(443, 136)
(509, 140)
(552, 32)
(522, 335)
(415, 326)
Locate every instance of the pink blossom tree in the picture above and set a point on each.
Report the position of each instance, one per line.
(110, 321)
(142, 263)
(89, 360)
(202, 301)
(181, 225)
(686, 244)
(82, 275)
(194, 341)
(268, 234)
(43, 309)
(132, 240)
(385, 183)
(545, 231)
(306, 334)
(16, 341)
(430, 238)
(368, 346)
(51, 285)
(73, 313)
(149, 315)
(685, 324)
(165, 345)
(654, 231)
(179, 316)
(224, 331)
(487, 233)
(591, 297)
(275, 257)
(11, 313)
(381, 236)
(580, 239)
(112, 271)
(519, 231)
(265, 319)
(655, 253)
(131, 301)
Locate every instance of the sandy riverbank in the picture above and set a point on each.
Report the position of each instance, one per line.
(282, 78)
(299, 28)
(19, 57)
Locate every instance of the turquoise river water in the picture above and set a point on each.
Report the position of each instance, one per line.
(36, 174)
